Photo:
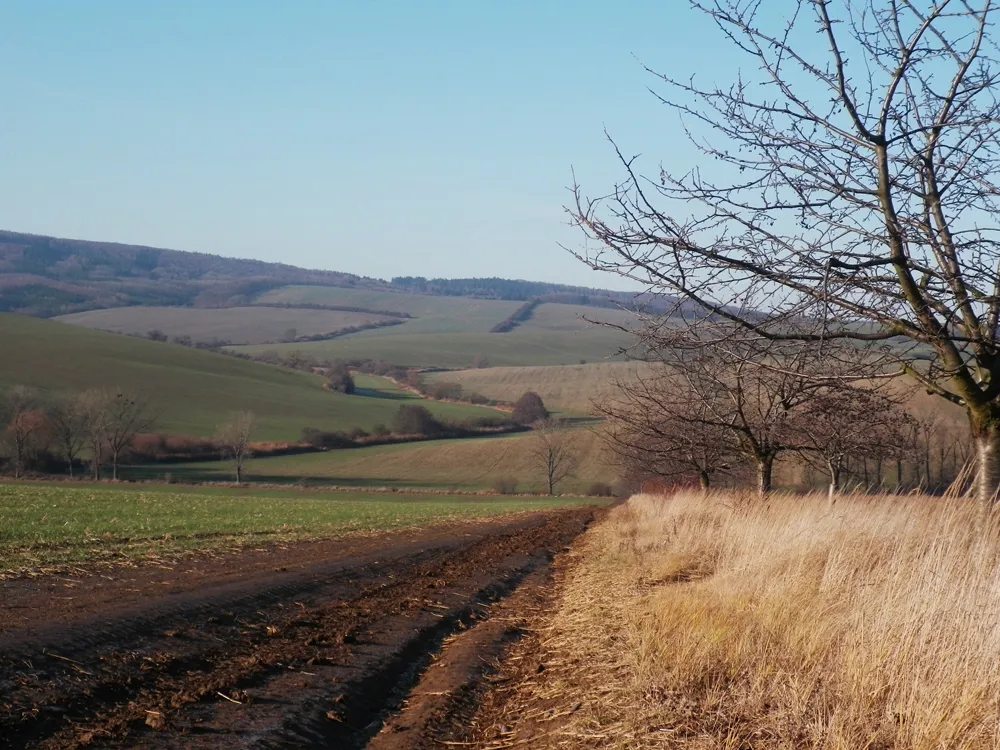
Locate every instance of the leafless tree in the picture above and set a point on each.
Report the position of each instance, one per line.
(658, 427)
(846, 422)
(234, 439)
(23, 421)
(851, 176)
(124, 416)
(68, 422)
(93, 409)
(553, 452)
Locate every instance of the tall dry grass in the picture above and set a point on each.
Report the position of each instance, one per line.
(727, 622)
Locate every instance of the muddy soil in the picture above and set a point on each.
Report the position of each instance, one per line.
(383, 642)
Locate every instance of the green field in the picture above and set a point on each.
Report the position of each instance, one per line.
(239, 325)
(451, 331)
(45, 524)
(458, 350)
(431, 314)
(471, 464)
(568, 390)
(192, 390)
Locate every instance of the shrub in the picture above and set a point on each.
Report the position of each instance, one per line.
(505, 485)
(476, 398)
(412, 419)
(480, 361)
(530, 409)
(321, 439)
(445, 390)
(339, 379)
(356, 433)
(381, 430)
(601, 489)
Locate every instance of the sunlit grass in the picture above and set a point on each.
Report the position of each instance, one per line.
(59, 523)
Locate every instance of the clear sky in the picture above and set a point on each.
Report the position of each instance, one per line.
(382, 138)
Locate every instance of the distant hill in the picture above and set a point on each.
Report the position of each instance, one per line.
(49, 276)
(46, 276)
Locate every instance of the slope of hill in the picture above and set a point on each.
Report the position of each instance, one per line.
(569, 390)
(193, 391)
(453, 330)
(237, 325)
(48, 276)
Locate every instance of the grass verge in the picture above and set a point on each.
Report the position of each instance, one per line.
(727, 622)
(52, 524)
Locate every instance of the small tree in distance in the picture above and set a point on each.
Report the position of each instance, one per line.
(125, 416)
(553, 453)
(234, 440)
(480, 361)
(23, 421)
(529, 409)
(339, 379)
(68, 422)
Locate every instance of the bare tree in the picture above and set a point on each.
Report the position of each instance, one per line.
(234, 439)
(20, 412)
(552, 451)
(847, 422)
(93, 409)
(125, 415)
(658, 427)
(854, 179)
(68, 422)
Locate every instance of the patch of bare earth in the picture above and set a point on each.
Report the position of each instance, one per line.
(384, 641)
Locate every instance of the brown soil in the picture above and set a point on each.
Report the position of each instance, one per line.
(387, 641)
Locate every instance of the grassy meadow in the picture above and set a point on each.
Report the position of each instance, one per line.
(58, 523)
(725, 621)
(469, 464)
(193, 391)
(239, 325)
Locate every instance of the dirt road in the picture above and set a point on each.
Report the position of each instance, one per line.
(312, 645)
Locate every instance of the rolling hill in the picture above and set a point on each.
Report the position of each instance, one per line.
(237, 325)
(193, 390)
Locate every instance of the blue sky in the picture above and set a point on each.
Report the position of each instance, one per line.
(381, 138)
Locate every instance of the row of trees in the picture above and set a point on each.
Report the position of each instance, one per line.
(99, 425)
(848, 192)
(719, 406)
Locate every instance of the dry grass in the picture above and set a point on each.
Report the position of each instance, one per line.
(726, 622)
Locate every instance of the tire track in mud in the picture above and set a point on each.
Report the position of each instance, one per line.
(316, 658)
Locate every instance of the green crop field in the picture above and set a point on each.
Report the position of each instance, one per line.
(458, 350)
(45, 524)
(430, 314)
(471, 464)
(451, 331)
(193, 391)
(567, 390)
(239, 325)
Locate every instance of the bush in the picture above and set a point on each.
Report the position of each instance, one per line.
(476, 398)
(416, 420)
(356, 433)
(320, 439)
(530, 409)
(480, 361)
(339, 379)
(601, 489)
(505, 485)
(381, 430)
(445, 390)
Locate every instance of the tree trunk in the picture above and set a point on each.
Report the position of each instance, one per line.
(114, 466)
(765, 467)
(703, 479)
(238, 472)
(899, 475)
(834, 469)
(988, 463)
(71, 468)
